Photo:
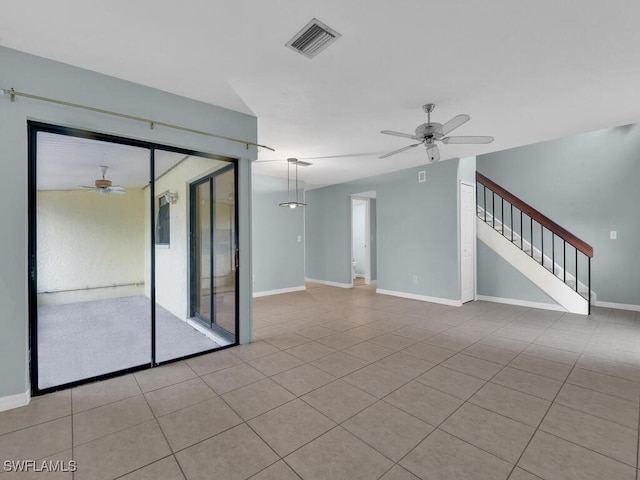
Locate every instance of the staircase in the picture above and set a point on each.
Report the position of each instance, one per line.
(555, 260)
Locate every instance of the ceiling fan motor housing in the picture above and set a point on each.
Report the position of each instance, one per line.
(102, 183)
(429, 130)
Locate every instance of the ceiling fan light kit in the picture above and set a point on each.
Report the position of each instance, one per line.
(289, 203)
(431, 132)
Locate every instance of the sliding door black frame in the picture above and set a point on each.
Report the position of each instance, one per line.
(33, 129)
(193, 257)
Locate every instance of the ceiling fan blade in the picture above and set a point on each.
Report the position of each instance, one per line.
(86, 186)
(117, 192)
(399, 150)
(117, 187)
(468, 139)
(399, 134)
(433, 152)
(454, 123)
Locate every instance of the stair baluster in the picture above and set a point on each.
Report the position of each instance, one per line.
(545, 225)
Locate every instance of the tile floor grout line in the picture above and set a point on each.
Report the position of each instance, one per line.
(172, 454)
(340, 424)
(543, 417)
(437, 427)
(33, 400)
(148, 464)
(468, 401)
(135, 395)
(452, 330)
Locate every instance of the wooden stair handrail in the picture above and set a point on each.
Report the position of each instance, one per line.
(536, 215)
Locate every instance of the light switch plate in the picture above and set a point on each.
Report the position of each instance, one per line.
(613, 235)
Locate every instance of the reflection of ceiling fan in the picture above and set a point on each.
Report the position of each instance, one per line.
(431, 132)
(104, 186)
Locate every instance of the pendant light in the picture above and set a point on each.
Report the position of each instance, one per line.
(289, 203)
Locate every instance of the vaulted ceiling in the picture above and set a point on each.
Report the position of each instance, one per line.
(524, 71)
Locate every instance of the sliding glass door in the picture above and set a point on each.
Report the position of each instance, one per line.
(179, 332)
(213, 252)
(112, 242)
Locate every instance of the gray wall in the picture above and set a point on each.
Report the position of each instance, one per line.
(416, 223)
(588, 184)
(278, 257)
(52, 79)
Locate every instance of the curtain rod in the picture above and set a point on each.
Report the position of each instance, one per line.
(152, 123)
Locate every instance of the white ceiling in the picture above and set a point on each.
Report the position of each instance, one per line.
(67, 163)
(524, 71)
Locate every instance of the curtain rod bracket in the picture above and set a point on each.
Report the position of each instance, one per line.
(9, 91)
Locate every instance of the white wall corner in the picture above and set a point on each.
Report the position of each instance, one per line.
(14, 401)
(422, 298)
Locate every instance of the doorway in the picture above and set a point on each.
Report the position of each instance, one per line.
(109, 255)
(363, 235)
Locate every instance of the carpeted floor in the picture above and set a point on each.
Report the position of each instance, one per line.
(82, 340)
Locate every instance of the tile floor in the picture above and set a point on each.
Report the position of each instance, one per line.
(347, 384)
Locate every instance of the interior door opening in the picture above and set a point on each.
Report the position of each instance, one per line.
(363, 244)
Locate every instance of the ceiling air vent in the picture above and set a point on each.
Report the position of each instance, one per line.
(313, 38)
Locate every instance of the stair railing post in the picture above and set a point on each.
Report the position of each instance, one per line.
(502, 214)
(521, 233)
(493, 209)
(531, 235)
(589, 283)
(484, 197)
(576, 269)
(553, 253)
(541, 245)
(511, 222)
(564, 261)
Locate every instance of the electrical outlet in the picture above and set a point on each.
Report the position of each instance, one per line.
(415, 279)
(613, 235)
(299, 238)
(422, 176)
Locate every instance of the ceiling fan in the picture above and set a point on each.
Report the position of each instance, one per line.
(105, 186)
(431, 132)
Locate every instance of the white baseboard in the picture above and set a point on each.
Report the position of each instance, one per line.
(331, 284)
(422, 298)
(14, 401)
(619, 306)
(522, 303)
(266, 293)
